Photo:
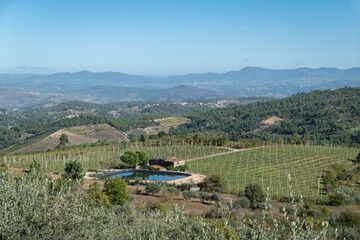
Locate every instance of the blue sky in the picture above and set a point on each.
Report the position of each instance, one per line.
(177, 36)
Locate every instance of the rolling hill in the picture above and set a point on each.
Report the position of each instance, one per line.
(331, 116)
(250, 81)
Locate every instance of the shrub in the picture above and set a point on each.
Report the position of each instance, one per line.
(115, 189)
(336, 199)
(348, 234)
(74, 170)
(35, 166)
(286, 209)
(334, 218)
(242, 202)
(178, 168)
(96, 197)
(187, 186)
(204, 196)
(315, 213)
(289, 199)
(173, 190)
(212, 184)
(350, 219)
(259, 205)
(161, 207)
(216, 197)
(254, 193)
(351, 196)
(187, 194)
(153, 188)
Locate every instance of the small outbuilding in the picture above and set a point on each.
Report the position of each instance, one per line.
(175, 162)
(170, 161)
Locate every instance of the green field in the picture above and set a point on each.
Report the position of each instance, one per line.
(269, 166)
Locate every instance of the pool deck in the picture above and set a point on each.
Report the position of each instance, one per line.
(193, 178)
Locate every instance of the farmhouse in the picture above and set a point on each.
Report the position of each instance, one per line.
(175, 162)
(170, 161)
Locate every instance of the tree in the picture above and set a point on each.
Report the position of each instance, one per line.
(204, 196)
(131, 158)
(143, 159)
(35, 166)
(135, 158)
(187, 194)
(115, 189)
(254, 193)
(216, 197)
(212, 184)
(153, 188)
(64, 139)
(74, 170)
(96, 197)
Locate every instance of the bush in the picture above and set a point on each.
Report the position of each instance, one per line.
(288, 199)
(187, 194)
(286, 209)
(173, 190)
(315, 213)
(115, 189)
(242, 202)
(336, 199)
(350, 219)
(35, 166)
(348, 234)
(204, 196)
(153, 188)
(96, 197)
(178, 168)
(334, 218)
(212, 184)
(260, 206)
(255, 194)
(161, 207)
(216, 197)
(187, 186)
(74, 171)
(351, 196)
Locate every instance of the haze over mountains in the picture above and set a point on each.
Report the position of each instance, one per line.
(107, 87)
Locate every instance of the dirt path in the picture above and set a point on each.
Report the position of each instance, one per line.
(224, 153)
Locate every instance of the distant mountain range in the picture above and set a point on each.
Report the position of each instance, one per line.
(105, 87)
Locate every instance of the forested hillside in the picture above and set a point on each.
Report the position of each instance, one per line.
(16, 134)
(331, 116)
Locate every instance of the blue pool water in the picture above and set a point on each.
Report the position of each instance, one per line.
(147, 175)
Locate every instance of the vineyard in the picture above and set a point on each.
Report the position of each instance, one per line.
(268, 166)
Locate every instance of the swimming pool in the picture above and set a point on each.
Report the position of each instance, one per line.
(146, 175)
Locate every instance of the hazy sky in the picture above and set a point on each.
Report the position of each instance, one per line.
(177, 36)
